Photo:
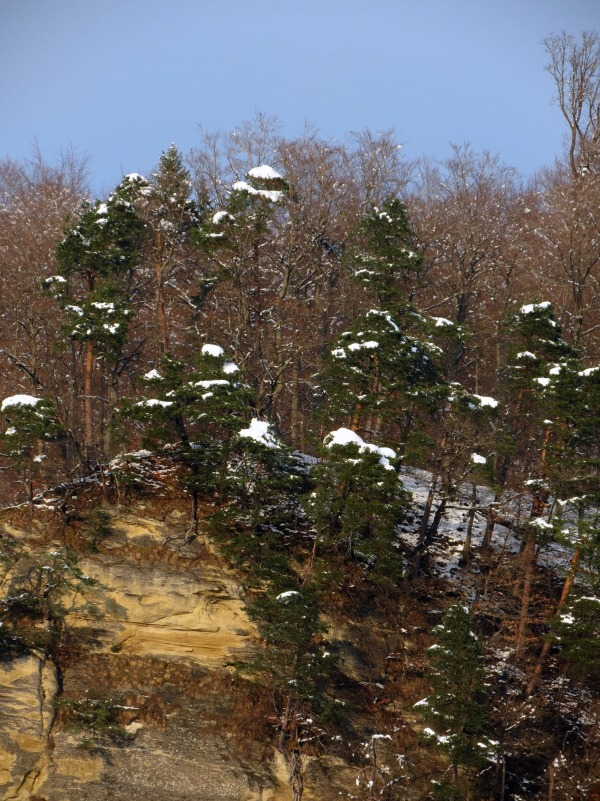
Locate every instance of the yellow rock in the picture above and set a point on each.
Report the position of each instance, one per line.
(154, 611)
(7, 760)
(85, 770)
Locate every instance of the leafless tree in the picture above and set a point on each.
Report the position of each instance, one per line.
(575, 67)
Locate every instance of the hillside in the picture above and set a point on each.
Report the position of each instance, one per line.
(300, 451)
(144, 693)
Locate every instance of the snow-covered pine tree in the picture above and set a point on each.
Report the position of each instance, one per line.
(32, 425)
(463, 422)
(240, 240)
(96, 263)
(356, 502)
(541, 379)
(576, 632)
(263, 521)
(383, 255)
(171, 217)
(573, 463)
(197, 409)
(379, 376)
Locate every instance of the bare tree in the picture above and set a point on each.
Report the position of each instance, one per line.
(461, 212)
(575, 68)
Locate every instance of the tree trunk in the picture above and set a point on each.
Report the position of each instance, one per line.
(162, 316)
(567, 586)
(466, 554)
(88, 386)
(528, 568)
(161, 311)
(113, 396)
(486, 542)
(424, 528)
(294, 409)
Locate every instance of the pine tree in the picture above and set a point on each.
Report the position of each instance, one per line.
(539, 357)
(263, 521)
(32, 425)
(458, 708)
(196, 409)
(356, 502)
(240, 241)
(96, 262)
(383, 255)
(577, 634)
(463, 422)
(378, 373)
(171, 219)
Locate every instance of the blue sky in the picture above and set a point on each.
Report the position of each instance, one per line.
(122, 79)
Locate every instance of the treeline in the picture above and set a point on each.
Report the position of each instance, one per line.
(263, 245)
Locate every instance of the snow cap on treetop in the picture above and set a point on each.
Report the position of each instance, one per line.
(259, 431)
(20, 400)
(212, 350)
(531, 308)
(344, 436)
(485, 400)
(265, 173)
(588, 372)
(285, 596)
(134, 177)
(221, 215)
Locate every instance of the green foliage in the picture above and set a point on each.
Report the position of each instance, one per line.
(96, 720)
(98, 526)
(105, 241)
(96, 260)
(379, 369)
(383, 256)
(458, 708)
(197, 409)
(31, 422)
(577, 631)
(244, 221)
(168, 197)
(293, 659)
(356, 502)
(263, 521)
(33, 609)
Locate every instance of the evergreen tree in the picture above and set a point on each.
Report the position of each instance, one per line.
(378, 373)
(96, 263)
(32, 425)
(577, 634)
(196, 409)
(458, 709)
(356, 502)
(241, 240)
(383, 255)
(171, 219)
(263, 523)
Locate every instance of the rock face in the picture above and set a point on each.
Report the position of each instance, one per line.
(28, 688)
(143, 700)
(155, 611)
(150, 651)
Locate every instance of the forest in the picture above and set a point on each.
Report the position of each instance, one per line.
(300, 332)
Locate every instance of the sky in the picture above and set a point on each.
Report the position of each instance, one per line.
(120, 80)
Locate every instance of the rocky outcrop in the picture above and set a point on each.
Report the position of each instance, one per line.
(145, 701)
(151, 645)
(28, 690)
